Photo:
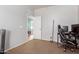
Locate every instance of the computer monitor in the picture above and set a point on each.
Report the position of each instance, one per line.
(65, 28)
(75, 28)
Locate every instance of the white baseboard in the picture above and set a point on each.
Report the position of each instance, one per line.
(22, 44)
(47, 39)
(17, 45)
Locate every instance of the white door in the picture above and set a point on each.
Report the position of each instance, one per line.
(37, 27)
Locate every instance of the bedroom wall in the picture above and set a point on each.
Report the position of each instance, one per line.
(64, 15)
(14, 20)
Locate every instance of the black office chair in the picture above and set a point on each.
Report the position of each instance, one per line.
(59, 27)
(67, 42)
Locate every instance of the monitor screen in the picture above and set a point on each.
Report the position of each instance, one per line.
(65, 28)
(75, 28)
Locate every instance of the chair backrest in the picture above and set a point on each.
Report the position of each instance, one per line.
(59, 27)
(62, 35)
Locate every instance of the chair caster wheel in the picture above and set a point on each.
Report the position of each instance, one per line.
(72, 50)
(64, 50)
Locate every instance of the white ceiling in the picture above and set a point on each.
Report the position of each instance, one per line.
(39, 6)
(19, 9)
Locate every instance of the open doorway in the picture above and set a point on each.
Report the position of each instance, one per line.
(34, 27)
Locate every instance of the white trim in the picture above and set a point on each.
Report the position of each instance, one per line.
(17, 45)
(22, 44)
(47, 39)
